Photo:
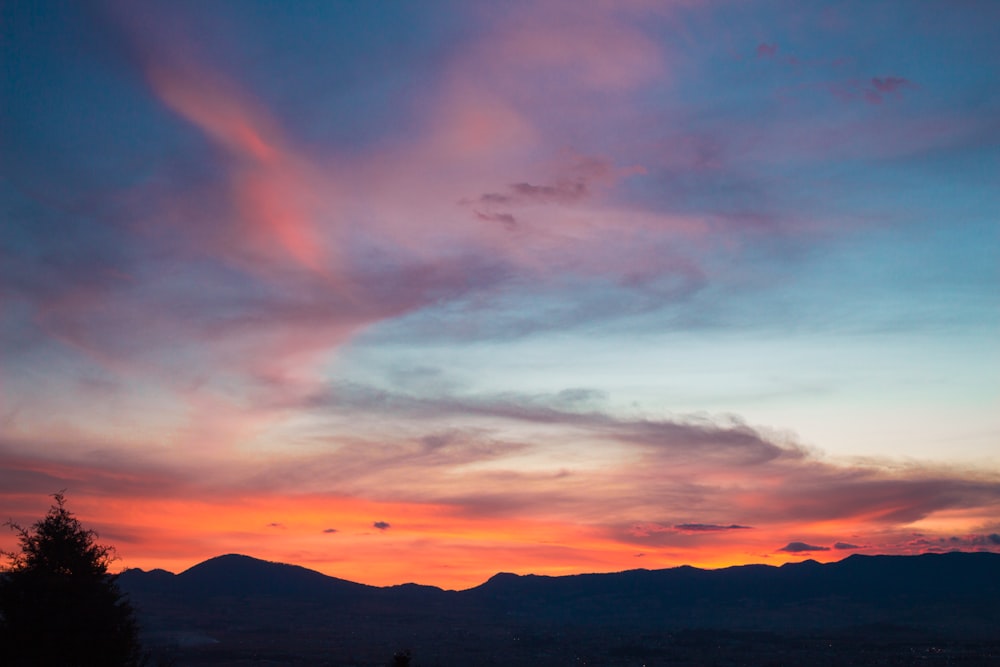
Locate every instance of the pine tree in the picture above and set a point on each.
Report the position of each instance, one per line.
(59, 606)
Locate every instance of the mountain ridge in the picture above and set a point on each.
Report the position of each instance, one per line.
(871, 608)
(226, 563)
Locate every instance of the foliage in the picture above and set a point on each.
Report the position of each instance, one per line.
(59, 606)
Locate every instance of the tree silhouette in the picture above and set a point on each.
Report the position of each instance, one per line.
(402, 658)
(58, 604)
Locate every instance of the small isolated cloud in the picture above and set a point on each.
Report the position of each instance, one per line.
(798, 547)
(559, 193)
(505, 219)
(647, 529)
(873, 91)
(766, 50)
(653, 529)
(381, 525)
(889, 84)
(575, 184)
(845, 545)
(521, 194)
(275, 524)
(330, 530)
(707, 527)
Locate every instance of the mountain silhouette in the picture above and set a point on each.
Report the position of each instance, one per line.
(241, 601)
(930, 590)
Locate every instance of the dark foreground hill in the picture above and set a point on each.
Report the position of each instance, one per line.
(933, 609)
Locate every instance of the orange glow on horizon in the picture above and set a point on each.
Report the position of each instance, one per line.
(426, 544)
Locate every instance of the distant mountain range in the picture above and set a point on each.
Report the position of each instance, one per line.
(234, 598)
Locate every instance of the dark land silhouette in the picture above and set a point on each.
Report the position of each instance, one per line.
(932, 609)
(59, 605)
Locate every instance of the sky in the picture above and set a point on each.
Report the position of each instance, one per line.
(428, 291)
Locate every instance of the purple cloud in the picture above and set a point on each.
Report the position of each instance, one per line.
(381, 525)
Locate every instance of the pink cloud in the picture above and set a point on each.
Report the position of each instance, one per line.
(211, 104)
(273, 201)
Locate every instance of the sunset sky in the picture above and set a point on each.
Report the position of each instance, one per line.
(424, 291)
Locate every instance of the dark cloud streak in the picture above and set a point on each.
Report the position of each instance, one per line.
(801, 547)
(708, 527)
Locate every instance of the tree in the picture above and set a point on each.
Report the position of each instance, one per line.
(402, 658)
(59, 606)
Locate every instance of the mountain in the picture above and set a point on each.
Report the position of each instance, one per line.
(236, 602)
(946, 592)
(234, 575)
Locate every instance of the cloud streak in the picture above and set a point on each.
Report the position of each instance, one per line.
(802, 547)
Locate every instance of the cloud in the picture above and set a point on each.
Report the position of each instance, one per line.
(526, 193)
(890, 84)
(505, 219)
(284, 272)
(528, 444)
(661, 532)
(276, 525)
(972, 541)
(766, 50)
(272, 196)
(678, 461)
(727, 439)
(797, 547)
(845, 545)
(565, 46)
(381, 525)
(708, 527)
(576, 179)
(873, 91)
(574, 184)
(329, 531)
(39, 466)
